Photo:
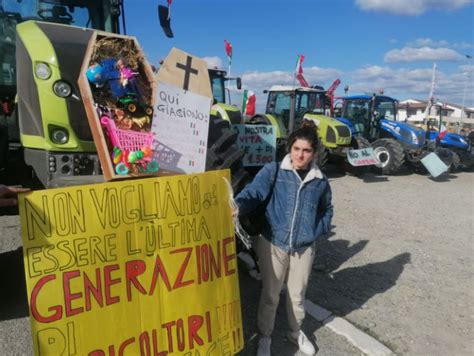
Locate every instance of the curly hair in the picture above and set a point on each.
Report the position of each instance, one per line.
(307, 132)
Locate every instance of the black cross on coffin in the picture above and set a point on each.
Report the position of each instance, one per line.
(188, 70)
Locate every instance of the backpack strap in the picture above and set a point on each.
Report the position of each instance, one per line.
(275, 177)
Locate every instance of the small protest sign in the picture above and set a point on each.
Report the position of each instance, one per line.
(434, 165)
(362, 157)
(133, 268)
(181, 114)
(258, 143)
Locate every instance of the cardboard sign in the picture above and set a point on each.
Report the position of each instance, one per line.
(434, 165)
(258, 142)
(362, 157)
(142, 267)
(181, 126)
(181, 114)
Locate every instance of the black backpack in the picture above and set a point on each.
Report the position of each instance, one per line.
(255, 222)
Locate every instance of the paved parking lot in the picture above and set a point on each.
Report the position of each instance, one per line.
(398, 266)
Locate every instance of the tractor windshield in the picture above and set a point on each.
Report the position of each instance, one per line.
(309, 102)
(356, 110)
(83, 13)
(218, 86)
(385, 108)
(279, 104)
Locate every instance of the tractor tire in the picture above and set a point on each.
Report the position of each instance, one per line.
(390, 154)
(449, 158)
(131, 107)
(456, 165)
(223, 152)
(149, 111)
(259, 120)
(322, 155)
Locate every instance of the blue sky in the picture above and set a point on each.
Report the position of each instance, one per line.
(367, 44)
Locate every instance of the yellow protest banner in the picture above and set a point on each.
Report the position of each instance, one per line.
(137, 267)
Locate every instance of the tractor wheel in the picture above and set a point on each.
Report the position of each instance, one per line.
(390, 154)
(321, 155)
(456, 166)
(357, 143)
(223, 152)
(259, 120)
(131, 107)
(149, 111)
(449, 158)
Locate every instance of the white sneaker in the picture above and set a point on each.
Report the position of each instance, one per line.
(264, 345)
(303, 343)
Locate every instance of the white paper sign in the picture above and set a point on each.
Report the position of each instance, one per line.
(181, 125)
(362, 157)
(258, 143)
(434, 165)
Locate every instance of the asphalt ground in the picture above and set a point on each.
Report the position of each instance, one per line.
(398, 267)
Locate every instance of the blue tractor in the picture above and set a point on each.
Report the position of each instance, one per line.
(373, 117)
(460, 146)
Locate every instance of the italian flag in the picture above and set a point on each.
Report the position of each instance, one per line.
(248, 103)
(299, 64)
(228, 49)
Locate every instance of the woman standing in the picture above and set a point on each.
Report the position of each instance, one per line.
(298, 211)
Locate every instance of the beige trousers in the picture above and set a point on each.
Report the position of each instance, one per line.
(276, 267)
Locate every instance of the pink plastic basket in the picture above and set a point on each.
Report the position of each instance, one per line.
(126, 140)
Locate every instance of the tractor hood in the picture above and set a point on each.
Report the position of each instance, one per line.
(406, 133)
(453, 140)
(227, 112)
(333, 132)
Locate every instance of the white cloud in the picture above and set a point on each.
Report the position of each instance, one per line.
(213, 62)
(259, 81)
(463, 45)
(411, 54)
(410, 7)
(400, 83)
(427, 42)
(413, 83)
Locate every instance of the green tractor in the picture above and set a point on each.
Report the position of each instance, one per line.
(288, 106)
(42, 69)
(222, 108)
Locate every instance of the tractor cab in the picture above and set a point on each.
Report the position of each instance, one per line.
(289, 105)
(362, 113)
(100, 15)
(222, 106)
(374, 117)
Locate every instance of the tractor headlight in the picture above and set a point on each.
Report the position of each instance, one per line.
(42, 70)
(59, 136)
(62, 89)
(414, 138)
(463, 141)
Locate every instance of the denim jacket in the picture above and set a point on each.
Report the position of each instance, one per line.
(298, 212)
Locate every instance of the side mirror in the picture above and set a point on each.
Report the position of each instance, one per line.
(238, 83)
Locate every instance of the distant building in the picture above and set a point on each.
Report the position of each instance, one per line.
(413, 111)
